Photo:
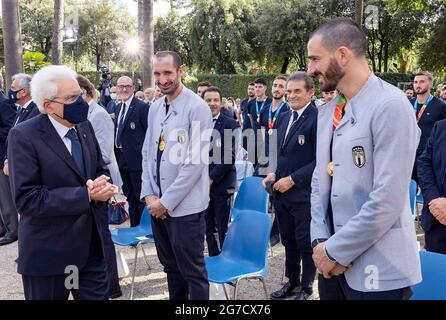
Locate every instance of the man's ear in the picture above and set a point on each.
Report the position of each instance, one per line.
(181, 70)
(48, 107)
(344, 55)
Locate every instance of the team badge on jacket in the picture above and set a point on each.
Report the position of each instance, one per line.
(301, 139)
(132, 125)
(181, 136)
(358, 156)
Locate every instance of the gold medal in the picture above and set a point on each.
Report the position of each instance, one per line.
(330, 169)
(270, 131)
(162, 145)
(258, 119)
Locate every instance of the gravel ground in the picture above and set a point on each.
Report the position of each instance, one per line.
(151, 284)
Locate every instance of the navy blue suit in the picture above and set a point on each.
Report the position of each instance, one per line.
(224, 178)
(432, 179)
(31, 111)
(246, 121)
(129, 157)
(8, 113)
(59, 224)
(297, 158)
(435, 111)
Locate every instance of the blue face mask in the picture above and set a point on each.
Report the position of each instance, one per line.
(75, 112)
(12, 95)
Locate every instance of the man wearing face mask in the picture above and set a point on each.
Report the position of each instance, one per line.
(20, 95)
(111, 106)
(60, 187)
(8, 212)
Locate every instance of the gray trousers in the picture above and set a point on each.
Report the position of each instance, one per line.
(8, 213)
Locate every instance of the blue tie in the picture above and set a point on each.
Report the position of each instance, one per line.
(76, 151)
(120, 122)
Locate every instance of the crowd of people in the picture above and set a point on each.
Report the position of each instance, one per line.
(337, 170)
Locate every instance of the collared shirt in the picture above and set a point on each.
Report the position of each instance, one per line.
(62, 132)
(27, 104)
(127, 105)
(216, 117)
(20, 108)
(299, 113)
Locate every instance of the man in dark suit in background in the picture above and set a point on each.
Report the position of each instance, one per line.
(8, 212)
(221, 172)
(296, 161)
(429, 110)
(62, 209)
(130, 131)
(432, 179)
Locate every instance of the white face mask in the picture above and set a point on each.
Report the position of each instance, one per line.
(113, 96)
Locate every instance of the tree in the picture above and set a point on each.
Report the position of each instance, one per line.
(11, 39)
(56, 46)
(221, 34)
(36, 23)
(146, 40)
(359, 10)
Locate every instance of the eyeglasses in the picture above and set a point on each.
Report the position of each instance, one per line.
(68, 99)
(126, 86)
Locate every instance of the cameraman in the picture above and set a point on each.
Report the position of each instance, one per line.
(105, 86)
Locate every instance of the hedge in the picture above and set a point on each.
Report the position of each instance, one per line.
(234, 85)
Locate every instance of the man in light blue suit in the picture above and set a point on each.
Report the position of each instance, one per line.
(175, 178)
(363, 237)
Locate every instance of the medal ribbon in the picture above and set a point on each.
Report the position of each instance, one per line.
(339, 111)
(423, 108)
(271, 119)
(261, 107)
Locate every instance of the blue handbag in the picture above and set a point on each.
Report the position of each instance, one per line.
(116, 212)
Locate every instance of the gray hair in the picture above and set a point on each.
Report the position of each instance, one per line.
(24, 80)
(44, 84)
(302, 76)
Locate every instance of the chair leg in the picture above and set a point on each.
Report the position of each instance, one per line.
(145, 258)
(235, 289)
(226, 293)
(134, 272)
(264, 288)
(283, 275)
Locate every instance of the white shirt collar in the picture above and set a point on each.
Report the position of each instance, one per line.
(300, 111)
(216, 117)
(27, 104)
(60, 128)
(127, 102)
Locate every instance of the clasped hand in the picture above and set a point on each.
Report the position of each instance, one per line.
(100, 189)
(156, 208)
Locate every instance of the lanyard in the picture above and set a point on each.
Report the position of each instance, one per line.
(271, 119)
(423, 108)
(261, 107)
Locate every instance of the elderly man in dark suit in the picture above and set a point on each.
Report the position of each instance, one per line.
(130, 131)
(8, 212)
(60, 186)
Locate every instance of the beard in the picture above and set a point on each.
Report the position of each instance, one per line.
(172, 89)
(332, 76)
(278, 96)
(421, 90)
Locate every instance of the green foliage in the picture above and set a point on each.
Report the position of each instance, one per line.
(39, 61)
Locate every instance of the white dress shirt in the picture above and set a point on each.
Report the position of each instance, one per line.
(290, 123)
(62, 132)
(127, 105)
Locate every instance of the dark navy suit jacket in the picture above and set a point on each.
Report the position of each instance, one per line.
(57, 216)
(223, 175)
(432, 171)
(7, 114)
(436, 110)
(132, 134)
(297, 154)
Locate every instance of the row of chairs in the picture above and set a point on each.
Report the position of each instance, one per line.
(244, 254)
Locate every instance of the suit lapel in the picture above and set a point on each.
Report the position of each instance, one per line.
(295, 126)
(52, 139)
(128, 115)
(85, 150)
(282, 127)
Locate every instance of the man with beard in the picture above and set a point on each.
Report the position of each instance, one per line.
(409, 93)
(428, 109)
(363, 236)
(255, 108)
(244, 107)
(175, 180)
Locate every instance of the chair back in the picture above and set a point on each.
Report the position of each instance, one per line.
(251, 196)
(247, 239)
(433, 286)
(146, 222)
(413, 197)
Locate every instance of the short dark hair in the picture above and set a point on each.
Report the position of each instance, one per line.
(342, 32)
(176, 58)
(281, 77)
(251, 84)
(204, 84)
(85, 84)
(261, 81)
(212, 89)
(302, 76)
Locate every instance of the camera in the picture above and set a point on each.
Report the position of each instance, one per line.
(105, 72)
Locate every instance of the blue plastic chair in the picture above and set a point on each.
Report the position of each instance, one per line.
(413, 198)
(251, 196)
(245, 252)
(135, 237)
(433, 286)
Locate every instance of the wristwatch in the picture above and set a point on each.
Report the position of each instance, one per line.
(316, 242)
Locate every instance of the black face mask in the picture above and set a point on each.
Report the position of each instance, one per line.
(75, 112)
(12, 95)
